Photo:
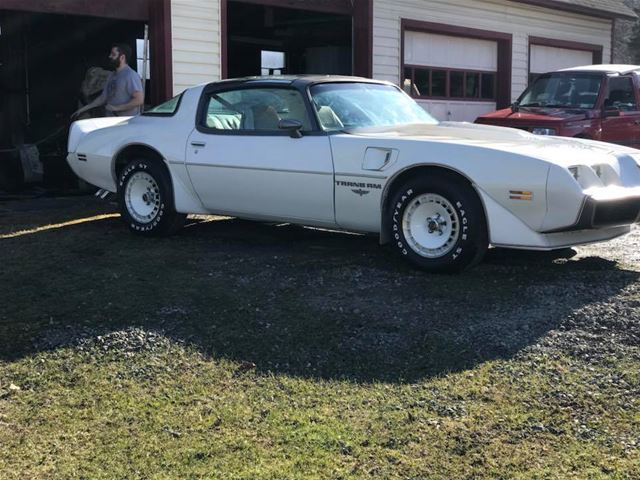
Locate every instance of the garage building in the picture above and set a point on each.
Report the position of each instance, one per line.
(458, 58)
(46, 49)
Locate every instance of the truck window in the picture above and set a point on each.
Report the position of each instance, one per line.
(563, 90)
(620, 94)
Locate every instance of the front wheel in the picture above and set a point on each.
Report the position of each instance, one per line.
(146, 199)
(438, 224)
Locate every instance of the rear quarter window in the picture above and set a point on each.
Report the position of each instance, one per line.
(166, 109)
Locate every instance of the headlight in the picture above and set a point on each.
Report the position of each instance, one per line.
(575, 172)
(543, 131)
(594, 176)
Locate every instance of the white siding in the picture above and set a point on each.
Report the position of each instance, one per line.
(504, 16)
(195, 33)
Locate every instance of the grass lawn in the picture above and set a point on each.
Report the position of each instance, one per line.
(236, 350)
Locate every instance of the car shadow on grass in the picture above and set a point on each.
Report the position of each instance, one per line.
(289, 300)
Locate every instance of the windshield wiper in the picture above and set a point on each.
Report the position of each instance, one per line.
(552, 105)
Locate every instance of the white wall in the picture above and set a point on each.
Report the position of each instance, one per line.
(195, 33)
(504, 16)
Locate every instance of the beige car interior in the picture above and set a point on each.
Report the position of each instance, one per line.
(255, 115)
(328, 118)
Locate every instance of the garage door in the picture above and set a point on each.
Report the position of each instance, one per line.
(547, 59)
(453, 78)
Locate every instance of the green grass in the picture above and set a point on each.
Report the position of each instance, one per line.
(278, 352)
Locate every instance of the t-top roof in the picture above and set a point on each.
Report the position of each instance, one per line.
(297, 79)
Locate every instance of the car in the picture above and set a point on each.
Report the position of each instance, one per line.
(598, 102)
(356, 155)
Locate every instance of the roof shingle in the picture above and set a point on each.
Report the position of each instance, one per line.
(606, 8)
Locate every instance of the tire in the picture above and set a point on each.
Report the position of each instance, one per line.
(145, 197)
(438, 224)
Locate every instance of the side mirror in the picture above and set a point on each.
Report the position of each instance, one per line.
(515, 107)
(294, 127)
(610, 112)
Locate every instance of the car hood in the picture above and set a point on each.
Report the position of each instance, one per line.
(528, 115)
(558, 150)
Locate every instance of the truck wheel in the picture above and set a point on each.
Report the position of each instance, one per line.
(145, 197)
(438, 224)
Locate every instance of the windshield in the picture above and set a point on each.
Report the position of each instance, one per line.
(343, 106)
(563, 90)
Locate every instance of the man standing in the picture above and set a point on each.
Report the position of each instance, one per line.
(122, 94)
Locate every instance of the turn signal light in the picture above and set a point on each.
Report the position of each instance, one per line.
(520, 195)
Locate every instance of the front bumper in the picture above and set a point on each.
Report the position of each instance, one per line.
(598, 214)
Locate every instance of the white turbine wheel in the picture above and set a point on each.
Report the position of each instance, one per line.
(142, 197)
(430, 225)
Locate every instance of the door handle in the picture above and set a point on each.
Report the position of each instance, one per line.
(636, 122)
(198, 144)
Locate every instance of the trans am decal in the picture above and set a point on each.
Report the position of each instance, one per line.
(361, 187)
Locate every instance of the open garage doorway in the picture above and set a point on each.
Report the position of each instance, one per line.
(272, 40)
(45, 63)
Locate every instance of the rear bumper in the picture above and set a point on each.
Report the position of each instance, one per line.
(77, 164)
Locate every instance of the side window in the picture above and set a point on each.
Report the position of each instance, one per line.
(621, 94)
(255, 109)
(221, 115)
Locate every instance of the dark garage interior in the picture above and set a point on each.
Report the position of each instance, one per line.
(265, 40)
(46, 49)
(43, 61)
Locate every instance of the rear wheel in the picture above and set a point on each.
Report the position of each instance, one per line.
(438, 224)
(146, 199)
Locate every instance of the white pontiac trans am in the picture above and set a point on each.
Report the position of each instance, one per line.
(357, 155)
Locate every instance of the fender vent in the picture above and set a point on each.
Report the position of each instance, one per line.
(82, 157)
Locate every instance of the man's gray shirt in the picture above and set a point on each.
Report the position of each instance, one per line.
(119, 90)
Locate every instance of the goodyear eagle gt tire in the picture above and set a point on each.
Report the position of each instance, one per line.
(438, 224)
(145, 197)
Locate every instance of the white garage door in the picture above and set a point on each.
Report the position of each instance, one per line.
(547, 59)
(453, 78)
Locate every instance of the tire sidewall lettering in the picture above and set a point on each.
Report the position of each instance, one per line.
(157, 222)
(466, 234)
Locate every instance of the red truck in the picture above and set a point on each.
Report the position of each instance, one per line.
(600, 102)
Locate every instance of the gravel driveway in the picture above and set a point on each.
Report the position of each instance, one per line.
(529, 360)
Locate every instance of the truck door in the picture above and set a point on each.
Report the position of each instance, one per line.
(621, 120)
